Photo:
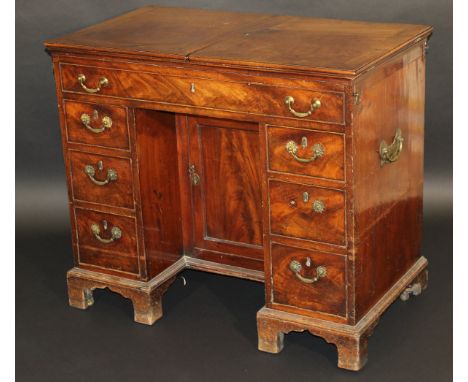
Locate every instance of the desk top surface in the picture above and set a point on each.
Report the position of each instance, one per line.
(244, 39)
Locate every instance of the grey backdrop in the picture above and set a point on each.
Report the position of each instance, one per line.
(41, 194)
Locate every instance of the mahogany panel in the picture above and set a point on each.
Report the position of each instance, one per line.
(329, 165)
(252, 98)
(118, 191)
(120, 254)
(248, 39)
(292, 215)
(388, 198)
(326, 295)
(156, 147)
(116, 136)
(228, 199)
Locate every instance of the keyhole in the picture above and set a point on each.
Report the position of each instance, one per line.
(192, 87)
(104, 225)
(100, 165)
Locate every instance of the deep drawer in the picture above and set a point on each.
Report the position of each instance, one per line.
(247, 97)
(107, 241)
(101, 179)
(306, 152)
(96, 124)
(309, 280)
(307, 212)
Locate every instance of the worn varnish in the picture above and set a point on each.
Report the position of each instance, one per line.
(273, 148)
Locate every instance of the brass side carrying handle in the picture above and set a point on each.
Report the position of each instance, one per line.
(296, 267)
(116, 233)
(315, 104)
(103, 82)
(106, 122)
(390, 153)
(317, 149)
(91, 172)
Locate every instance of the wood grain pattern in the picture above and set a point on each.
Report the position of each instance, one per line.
(114, 137)
(156, 144)
(247, 97)
(117, 192)
(330, 165)
(120, 255)
(215, 100)
(291, 216)
(228, 200)
(327, 295)
(388, 199)
(251, 40)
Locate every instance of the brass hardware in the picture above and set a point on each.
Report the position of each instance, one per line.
(415, 290)
(296, 267)
(194, 177)
(390, 153)
(103, 82)
(116, 232)
(318, 206)
(292, 203)
(89, 300)
(357, 98)
(313, 106)
(192, 87)
(292, 148)
(91, 172)
(106, 122)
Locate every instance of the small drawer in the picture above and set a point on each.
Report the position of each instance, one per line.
(238, 96)
(99, 125)
(307, 212)
(306, 152)
(101, 179)
(309, 280)
(107, 241)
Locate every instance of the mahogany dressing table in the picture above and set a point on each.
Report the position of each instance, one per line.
(280, 149)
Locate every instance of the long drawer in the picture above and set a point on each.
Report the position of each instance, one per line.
(249, 97)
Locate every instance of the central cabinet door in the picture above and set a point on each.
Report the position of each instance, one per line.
(225, 170)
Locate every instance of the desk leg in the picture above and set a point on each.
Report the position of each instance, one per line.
(146, 299)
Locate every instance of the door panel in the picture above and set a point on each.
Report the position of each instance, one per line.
(228, 198)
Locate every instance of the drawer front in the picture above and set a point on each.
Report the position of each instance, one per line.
(101, 179)
(252, 98)
(306, 152)
(307, 212)
(107, 240)
(99, 125)
(309, 280)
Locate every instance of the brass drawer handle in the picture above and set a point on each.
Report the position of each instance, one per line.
(318, 150)
(318, 206)
(91, 172)
(116, 232)
(390, 153)
(103, 82)
(296, 267)
(106, 122)
(313, 106)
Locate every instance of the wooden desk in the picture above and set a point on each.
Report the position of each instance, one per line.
(280, 149)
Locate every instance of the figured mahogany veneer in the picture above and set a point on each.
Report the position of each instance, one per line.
(114, 136)
(117, 191)
(279, 149)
